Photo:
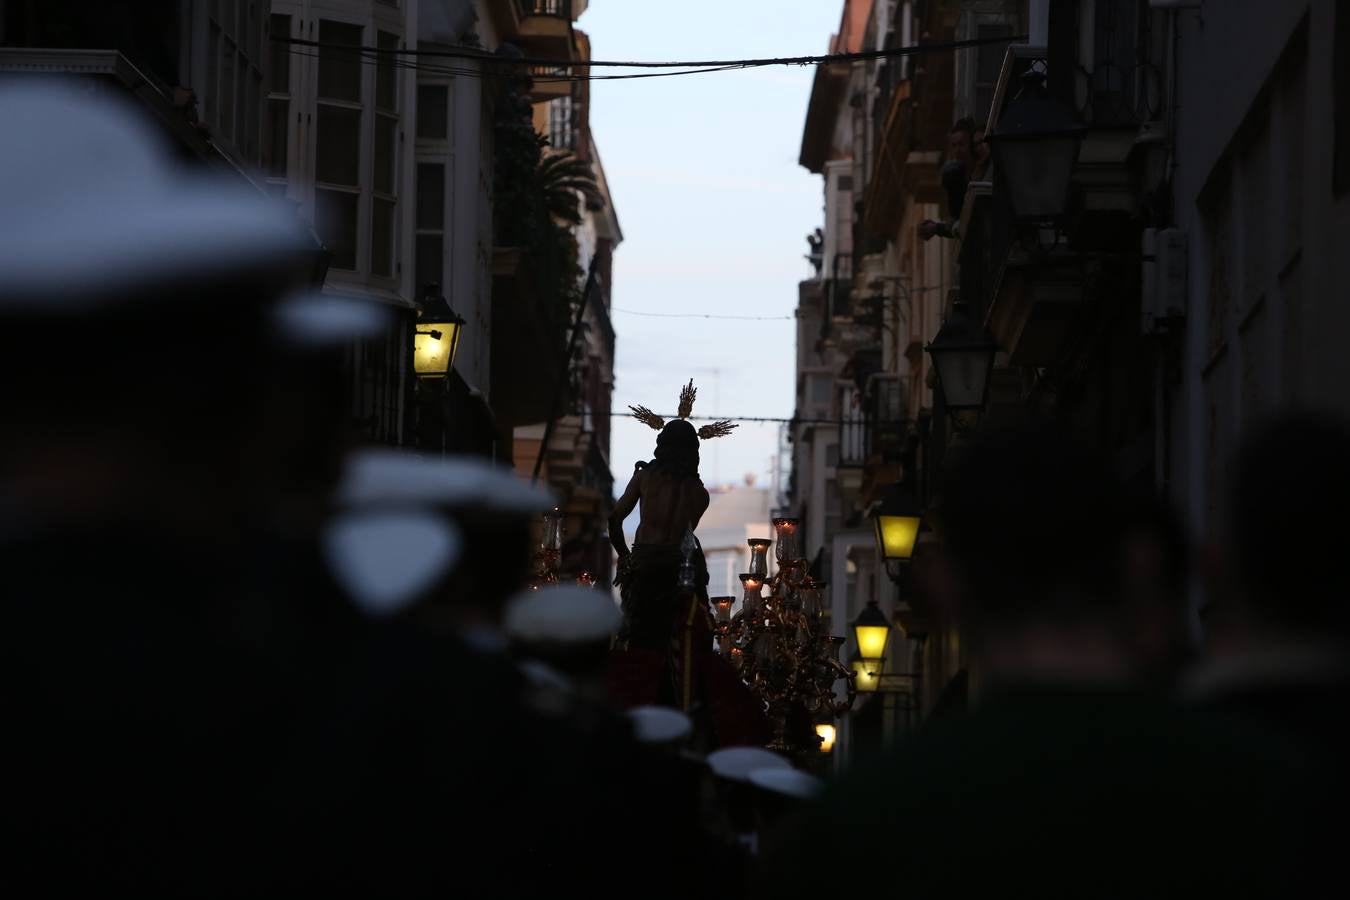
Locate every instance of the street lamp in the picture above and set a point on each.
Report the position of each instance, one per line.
(1035, 146)
(827, 734)
(872, 631)
(867, 674)
(897, 522)
(963, 358)
(436, 336)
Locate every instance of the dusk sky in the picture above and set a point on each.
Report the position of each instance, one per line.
(715, 211)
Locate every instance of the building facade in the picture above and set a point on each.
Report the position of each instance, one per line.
(1181, 290)
(378, 121)
(1261, 187)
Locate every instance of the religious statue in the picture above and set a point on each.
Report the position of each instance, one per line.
(665, 645)
(671, 499)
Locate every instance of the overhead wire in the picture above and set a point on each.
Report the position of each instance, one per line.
(375, 55)
(658, 315)
(621, 414)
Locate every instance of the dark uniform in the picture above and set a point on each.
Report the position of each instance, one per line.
(1062, 792)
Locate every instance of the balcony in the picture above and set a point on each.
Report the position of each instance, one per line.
(1030, 283)
(550, 83)
(872, 434)
(839, 290)
(546, 28)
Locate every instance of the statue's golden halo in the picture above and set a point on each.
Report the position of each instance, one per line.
(720, 428)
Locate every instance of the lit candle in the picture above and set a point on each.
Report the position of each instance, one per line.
(789, 543)
(553, 530)
(759, 555)
(723, 607)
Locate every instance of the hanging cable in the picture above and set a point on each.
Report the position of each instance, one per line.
(692, 67)
(657, 315)
(623, 414)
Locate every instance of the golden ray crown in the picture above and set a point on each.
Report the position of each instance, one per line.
(720, 428)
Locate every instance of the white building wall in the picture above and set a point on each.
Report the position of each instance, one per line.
(1253, 191)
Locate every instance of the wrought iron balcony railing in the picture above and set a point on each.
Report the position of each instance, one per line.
(875, 428)
(558, 9)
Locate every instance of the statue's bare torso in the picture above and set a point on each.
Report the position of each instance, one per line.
(668, 507)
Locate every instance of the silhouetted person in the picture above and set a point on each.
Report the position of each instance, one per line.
(1155, 570)
(967, 159)
(1063, 779)
(150, 481)
(1277, 649)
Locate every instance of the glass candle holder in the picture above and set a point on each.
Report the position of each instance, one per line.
(722, 609)
(788, 536)
(752, 585)
(764, 648)
(759, 556)
(553, 530)
(810, 594)
(586, 579)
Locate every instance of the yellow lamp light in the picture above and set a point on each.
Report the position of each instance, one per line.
(436, 337)
(827, 735)
(867, 674)
(897, 523)
(872, 630)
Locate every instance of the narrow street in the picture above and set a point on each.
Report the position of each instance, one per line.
(783, 448)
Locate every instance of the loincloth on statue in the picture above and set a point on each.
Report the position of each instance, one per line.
(665, 651)
(655, 608)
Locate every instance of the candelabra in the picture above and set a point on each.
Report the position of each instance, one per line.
(780, 645)
(548, 558)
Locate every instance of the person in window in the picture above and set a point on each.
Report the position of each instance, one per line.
(967, 160)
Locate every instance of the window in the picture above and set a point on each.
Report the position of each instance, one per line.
(430, 242)
(1218, 226)
(561, 127)
(1254, 163)
(435, 174)
(988, 64)
(433, 110)
(386, 158)
(1287, 130)
(232, 105)
(1340, 178)
(337, 142)
(277, 149)
(821, 389)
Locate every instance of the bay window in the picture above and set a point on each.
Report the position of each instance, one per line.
(334, 138)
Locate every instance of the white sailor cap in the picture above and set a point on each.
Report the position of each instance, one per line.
(788, 782)
(380, 476)
(98, 208)
(315, 321)
(659, 724)
(386, 559)
(736, 763)
(565, 614)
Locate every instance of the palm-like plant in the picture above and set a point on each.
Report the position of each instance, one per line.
(565, 178)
